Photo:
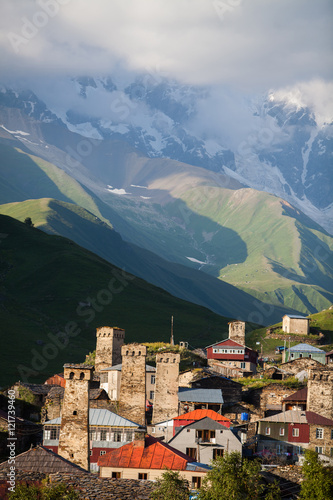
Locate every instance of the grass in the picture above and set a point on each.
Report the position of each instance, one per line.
(254, 383)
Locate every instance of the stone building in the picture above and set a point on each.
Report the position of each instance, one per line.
(166, 388)
(74, 430)
(132, 398)
(108, 346)
(237, 331)
(292, 323)
(320, 392)
(110, 381)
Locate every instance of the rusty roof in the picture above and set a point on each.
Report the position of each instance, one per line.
(148, 454)
(199, 414)
(315, 418)
(41, 459)
(300, 395)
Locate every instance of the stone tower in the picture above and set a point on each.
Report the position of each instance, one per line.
(132, 400)
(237, 331)
(320, 392)
(74, 429)
(108, 347)
(166, 388)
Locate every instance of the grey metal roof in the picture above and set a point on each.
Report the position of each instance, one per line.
(118, 368)
(101, 417)
(290, 416)
(200, 395)
(305, 348)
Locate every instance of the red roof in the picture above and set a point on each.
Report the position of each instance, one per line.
(300, 395)
(227, 342)
(199, 414)
(150, 454)
(314, 418)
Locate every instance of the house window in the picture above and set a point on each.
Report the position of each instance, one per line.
(295, 432)
(102, 452)
(268, 431)
(281, 432)
(152, 379)
(103, 434)
(51, 432)
(319, 433)
(217, 452)
(116, 475)
(278, 449)
(142, 475)
(191, 452)
(129, 435)
(196, 482)
(151, 394)
(242, 365)
(90, 452)
(319, 449)
(331, 433)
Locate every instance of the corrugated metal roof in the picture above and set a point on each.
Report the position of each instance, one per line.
(199, 414)
(298, 417)
(296, 316)
(101, 417)
(148, 454)
(205, 423)
(305, 348)
(200, 395)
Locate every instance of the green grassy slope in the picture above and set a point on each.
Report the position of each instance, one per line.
(46, 282)
(76, 223)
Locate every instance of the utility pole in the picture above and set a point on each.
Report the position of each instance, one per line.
(171, 338)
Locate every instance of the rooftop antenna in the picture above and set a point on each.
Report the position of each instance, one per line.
(171, 338)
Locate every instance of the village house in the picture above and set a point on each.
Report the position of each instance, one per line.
(197, 399)
(110, 381)
(230, 354)
(304, 351)
(293, 431)
(57, 379)
(292, 323)
(106, 430)
(296, 401)
(206, 439)
(147, 458)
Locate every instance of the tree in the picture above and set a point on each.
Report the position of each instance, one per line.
(318, 479)
(28, 222)
(171, 487)
(232, 478)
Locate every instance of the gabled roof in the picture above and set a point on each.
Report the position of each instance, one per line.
(199, 414)
(150, 454)
(213, 396)
(101, 417)
(226, 342)
(205, 423)
(298, 417)
(41, 459)
(300, 395)
(305, 348)
(295, 316)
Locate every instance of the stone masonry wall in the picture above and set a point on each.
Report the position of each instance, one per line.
(132, 400)
(74, 430)
(326, 441)
(237, 331)
(166, 388)
(320, 392)
(109, 342)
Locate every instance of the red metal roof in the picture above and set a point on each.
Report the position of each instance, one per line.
(300, 395)
(314, 418)
(199, 414)
(148, 454)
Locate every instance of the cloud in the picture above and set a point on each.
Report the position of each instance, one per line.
(250, 45)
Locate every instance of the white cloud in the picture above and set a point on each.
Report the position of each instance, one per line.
(249, 44)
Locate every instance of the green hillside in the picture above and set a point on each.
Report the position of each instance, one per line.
(47, 284)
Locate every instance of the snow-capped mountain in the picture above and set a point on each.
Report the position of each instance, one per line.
(268, 143)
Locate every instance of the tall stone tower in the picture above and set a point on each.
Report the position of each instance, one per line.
(166, 388)
(132, 400)
(74, 430)
(237, 331)
(108, 346)
(320, 392)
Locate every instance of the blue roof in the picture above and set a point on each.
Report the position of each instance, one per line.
(200, 395)
(296, 316)
(101, 417)
(305, 348)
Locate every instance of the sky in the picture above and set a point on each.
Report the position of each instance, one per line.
(245, 46)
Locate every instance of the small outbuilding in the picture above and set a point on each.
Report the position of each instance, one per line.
(292, 323)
